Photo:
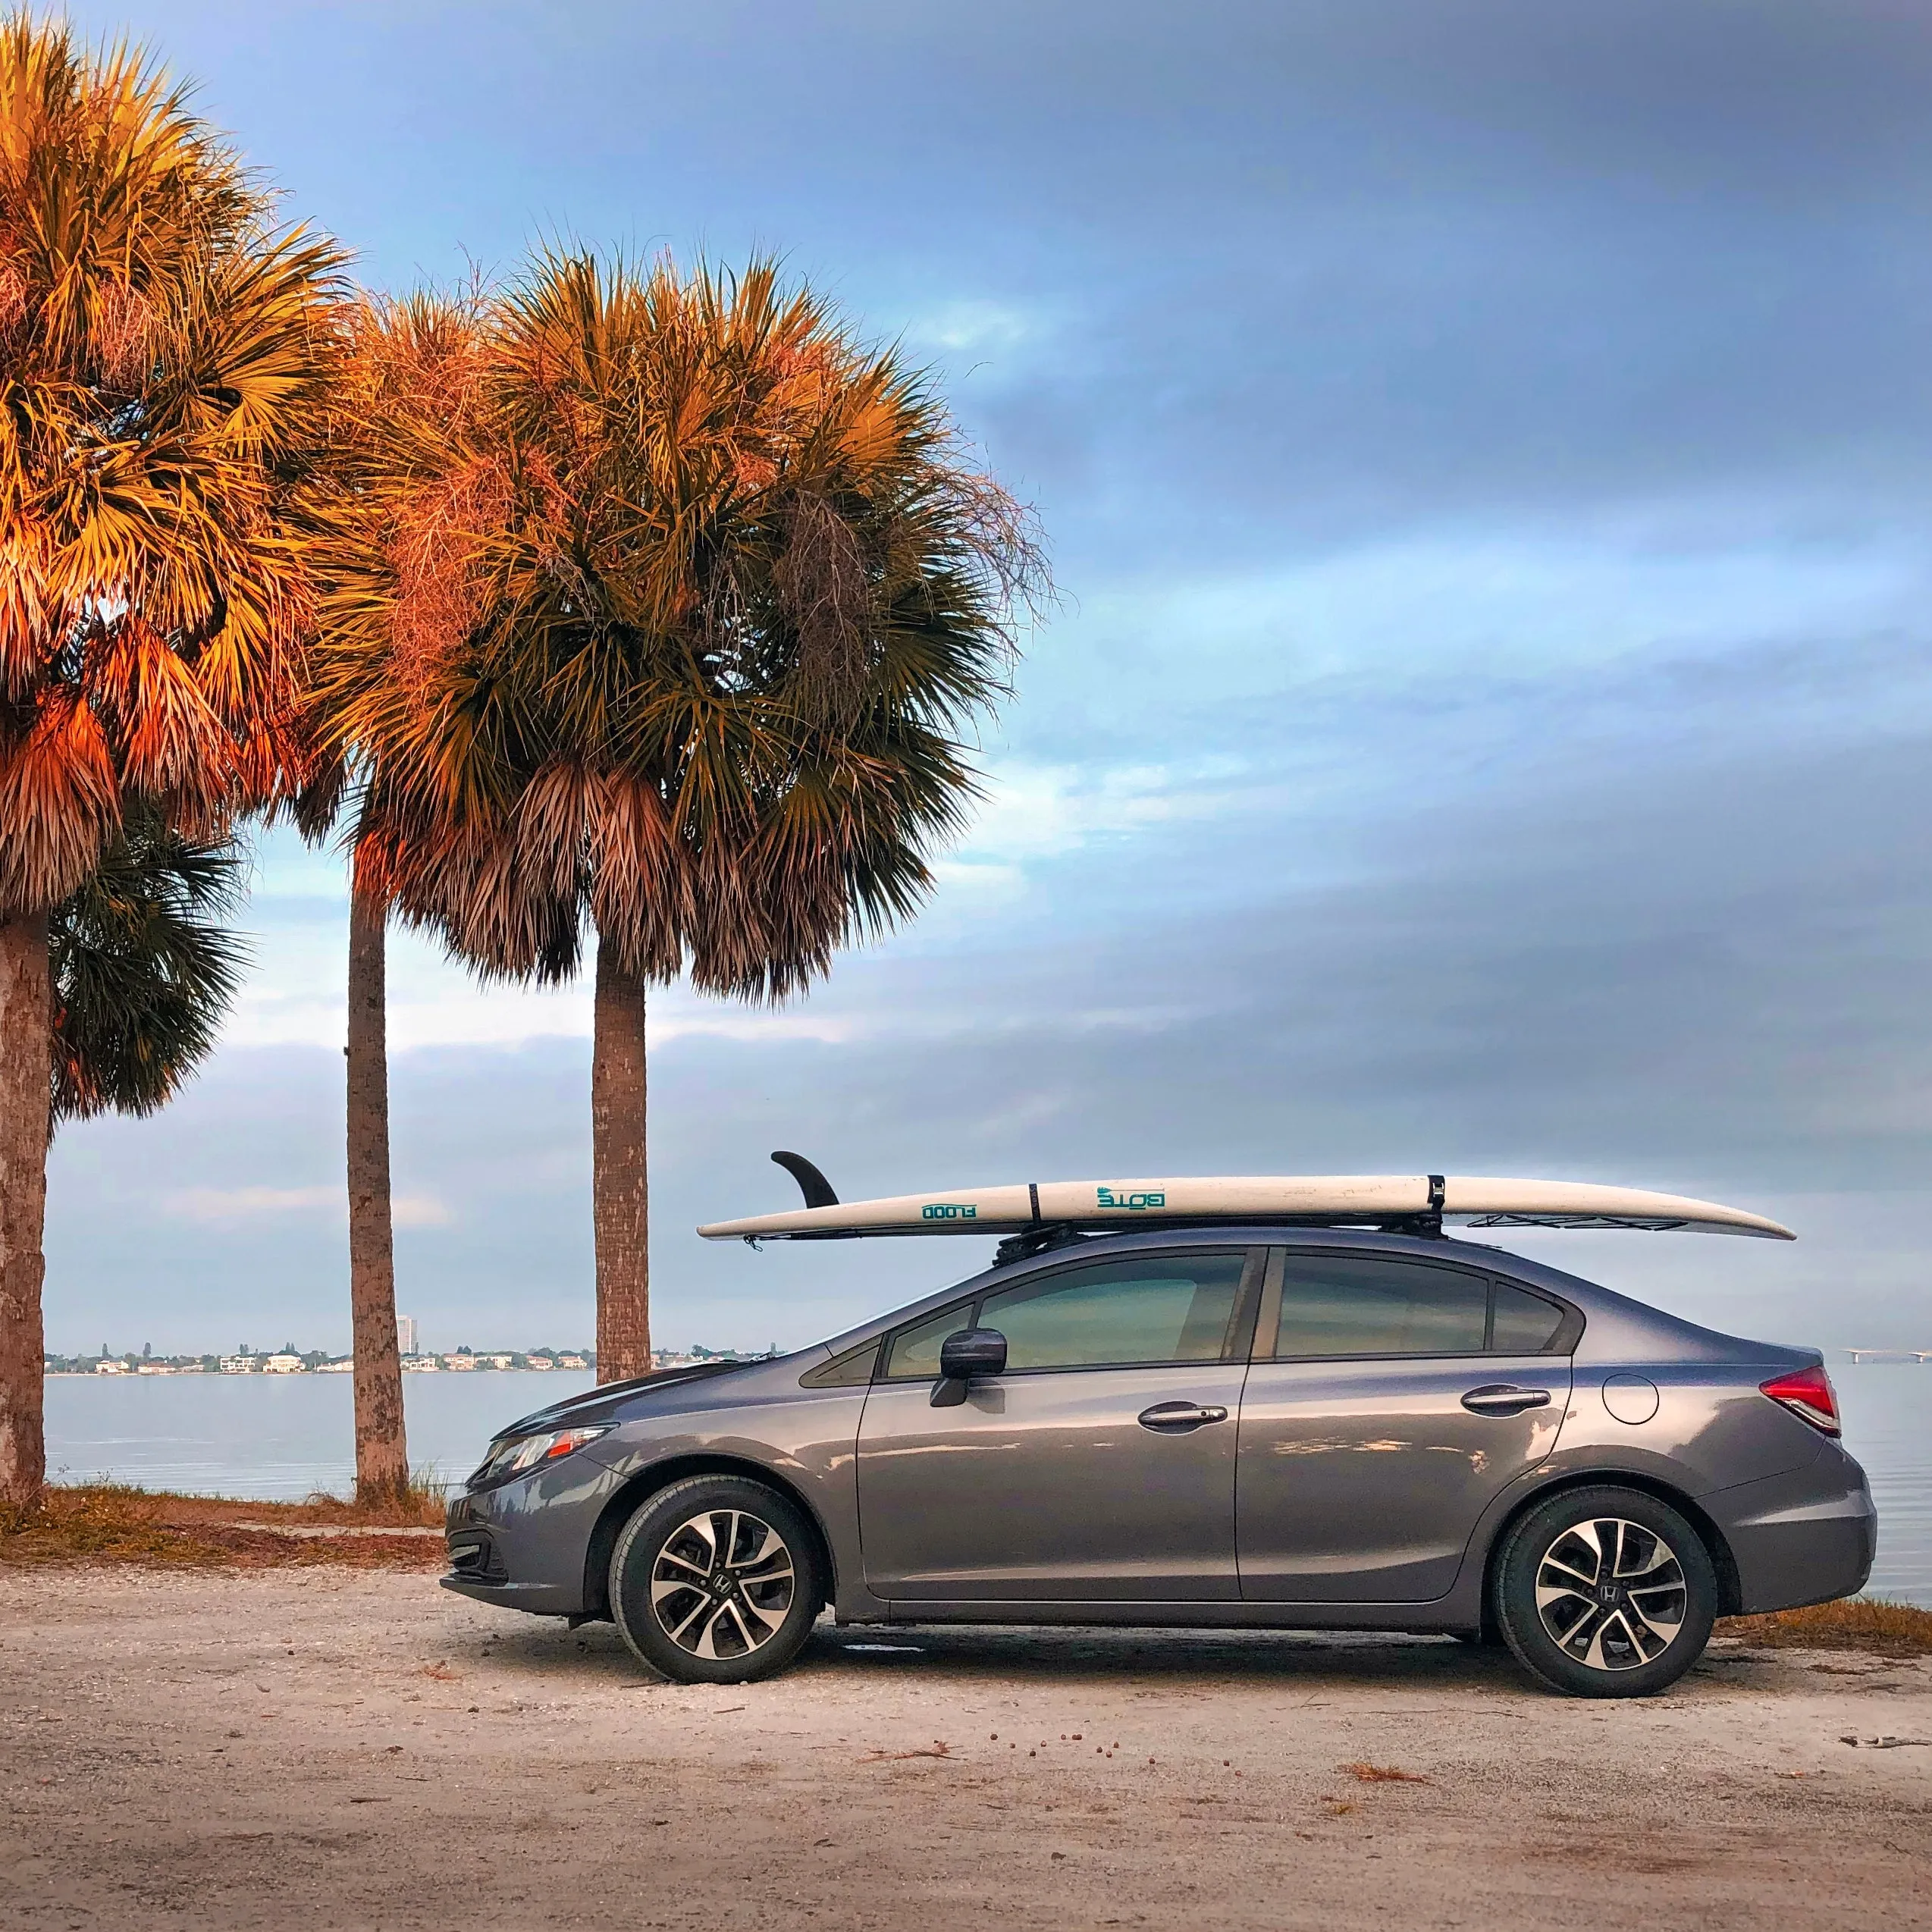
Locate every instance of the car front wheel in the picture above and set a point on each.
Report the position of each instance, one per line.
(1605, 1592)
(715, 1580)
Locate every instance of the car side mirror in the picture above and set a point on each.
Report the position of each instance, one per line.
(971, 1355)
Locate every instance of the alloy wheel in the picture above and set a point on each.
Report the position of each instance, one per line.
(721, 1585)
(1611, 1594)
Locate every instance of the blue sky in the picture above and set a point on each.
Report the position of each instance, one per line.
(1484, 449)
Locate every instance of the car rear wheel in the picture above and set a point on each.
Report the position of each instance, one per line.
(716, 1580)
(1605, 1592)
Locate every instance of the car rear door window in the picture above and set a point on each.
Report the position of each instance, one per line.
(1525, 1324)
(1368, 1305)
(1160, 1308)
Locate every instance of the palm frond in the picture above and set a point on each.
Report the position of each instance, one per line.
(166, 354)
(144, 970)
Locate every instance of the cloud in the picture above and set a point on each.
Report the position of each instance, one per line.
(220, 1207)
(981, 325)
(420, 1211)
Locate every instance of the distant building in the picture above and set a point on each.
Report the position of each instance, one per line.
(343, 1367)
(405, 1334)
(417, 1364)
(283, 1364)
(238, 1364)
(112, 1367)
(459, 1361)
(538, 1361)
(572, 1362)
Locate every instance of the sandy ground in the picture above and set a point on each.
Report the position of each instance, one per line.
(320, 1749)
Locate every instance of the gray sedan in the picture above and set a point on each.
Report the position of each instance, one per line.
(1262, 1428)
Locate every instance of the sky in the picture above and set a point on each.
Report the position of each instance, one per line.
(1483, 447)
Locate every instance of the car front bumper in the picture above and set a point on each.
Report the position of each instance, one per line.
(524, 1545)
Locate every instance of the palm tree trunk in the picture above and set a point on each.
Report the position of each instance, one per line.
(619, 1179)
(382, 1459)
(26, 1017)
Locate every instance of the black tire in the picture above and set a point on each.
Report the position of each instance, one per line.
(1636, 1641)
(728, 1560)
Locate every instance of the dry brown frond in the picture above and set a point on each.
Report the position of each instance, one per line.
(826, 591)
(59, 798)
(436, 552)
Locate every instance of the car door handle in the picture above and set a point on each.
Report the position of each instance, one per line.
(1503, 1399)
(1178, 1418)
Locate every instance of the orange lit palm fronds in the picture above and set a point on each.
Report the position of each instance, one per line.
(165, 358)
(667, 603)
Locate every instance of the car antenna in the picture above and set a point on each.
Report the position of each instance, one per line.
(816, 1190)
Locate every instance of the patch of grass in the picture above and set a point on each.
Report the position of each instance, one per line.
(1877, 1624)
(419, 1507)
(1383, 1774)
(114, 1522)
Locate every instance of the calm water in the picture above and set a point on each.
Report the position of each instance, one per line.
(274, 1436)
(1888, 1426)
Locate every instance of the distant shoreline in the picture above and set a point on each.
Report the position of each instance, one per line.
(571, 1362)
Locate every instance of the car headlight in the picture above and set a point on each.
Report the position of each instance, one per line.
(517, 1453)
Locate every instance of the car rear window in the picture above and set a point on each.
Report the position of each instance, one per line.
(1339, 1305)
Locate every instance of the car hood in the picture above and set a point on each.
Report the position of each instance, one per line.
(618, 1401)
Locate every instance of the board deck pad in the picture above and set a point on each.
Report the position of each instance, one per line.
(1318, 1199)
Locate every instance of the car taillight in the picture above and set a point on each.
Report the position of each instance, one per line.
(1807, 1394)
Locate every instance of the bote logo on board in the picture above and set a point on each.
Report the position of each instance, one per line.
(1134, 1203)
(949, 1211)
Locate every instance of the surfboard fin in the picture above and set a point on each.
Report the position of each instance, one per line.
(816, 1190)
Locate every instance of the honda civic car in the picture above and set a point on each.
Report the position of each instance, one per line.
(1260, 1427)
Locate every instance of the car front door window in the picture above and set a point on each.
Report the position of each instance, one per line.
(1120, 1314)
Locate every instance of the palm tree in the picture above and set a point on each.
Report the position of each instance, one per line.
(163, 356)
(403, 392)
(715, 594)
(316, 807)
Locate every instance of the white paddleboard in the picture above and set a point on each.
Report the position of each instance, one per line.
(1316, 1198)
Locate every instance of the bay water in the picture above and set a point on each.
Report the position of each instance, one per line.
(284, 1437)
